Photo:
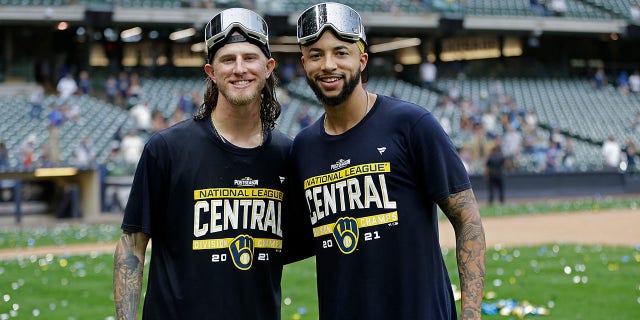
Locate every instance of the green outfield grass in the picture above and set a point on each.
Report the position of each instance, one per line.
(571, 281)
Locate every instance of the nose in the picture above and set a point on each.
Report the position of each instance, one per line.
(328, 64)
(239, 66)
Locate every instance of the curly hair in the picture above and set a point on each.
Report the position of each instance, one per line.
(269, 107)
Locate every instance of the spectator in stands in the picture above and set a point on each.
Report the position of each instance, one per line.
(84, 83)
(569, 156)
(555, 154)
(84, 154)
(123, 83)
(413, 145)
(531, 119)
(158, 122)
(428, 74)
(176, 117)
(56, 119)
(634, 12)
(72, 112)
(135, 90)
(537, 8)
(634, 82)
(111, 89)
(511, 144)
(630, 153)
(44, 159)
(490, 122)
(623, 81)
(228, 148)
(4, 156)
(67, 86)
(27, 151)
(611, 152)
(557, 7)
(494, 173)
(453, 91)
(140, 115)
(36, 99)
(600, 78)
(303, 118)
(131, 146)
(287, 72)
(196, 102)
(558, 137)
(185, 103)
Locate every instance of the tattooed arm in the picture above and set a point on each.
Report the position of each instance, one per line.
(462, 210)
(128, 264)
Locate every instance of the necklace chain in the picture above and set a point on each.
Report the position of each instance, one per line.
(225, 141)
(366, 109)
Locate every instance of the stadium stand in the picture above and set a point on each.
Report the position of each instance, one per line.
(98, 120)
(549, 75)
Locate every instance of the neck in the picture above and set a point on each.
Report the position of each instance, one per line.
(242, 129)
(341, 118)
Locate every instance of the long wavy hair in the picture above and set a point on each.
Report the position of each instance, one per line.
(269, 107)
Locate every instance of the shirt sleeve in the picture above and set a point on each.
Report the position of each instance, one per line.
(147, 191)
(436, 159)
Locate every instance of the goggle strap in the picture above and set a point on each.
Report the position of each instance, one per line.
(236, 38)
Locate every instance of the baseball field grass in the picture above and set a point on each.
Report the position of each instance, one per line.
(559, 281)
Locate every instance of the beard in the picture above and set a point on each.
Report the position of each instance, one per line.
(349, 86)
(242, 98)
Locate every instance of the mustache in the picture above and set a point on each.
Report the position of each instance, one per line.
(329, 75)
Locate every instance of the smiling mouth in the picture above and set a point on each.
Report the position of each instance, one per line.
(241, 82)
(329, 79)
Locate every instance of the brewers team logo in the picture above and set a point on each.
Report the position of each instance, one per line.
(346, 233)
(241, 249)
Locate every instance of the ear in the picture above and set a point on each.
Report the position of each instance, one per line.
(364, 58)
(271, 65)
(208, 69)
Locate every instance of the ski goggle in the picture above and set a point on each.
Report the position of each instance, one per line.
(342, 19)
(218, 31)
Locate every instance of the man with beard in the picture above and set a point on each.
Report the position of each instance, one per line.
(209, 191)
(370, 175)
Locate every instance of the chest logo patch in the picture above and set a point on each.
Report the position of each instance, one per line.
(346, 233)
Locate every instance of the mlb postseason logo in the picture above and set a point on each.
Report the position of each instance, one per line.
(340, 164)
(246, 182)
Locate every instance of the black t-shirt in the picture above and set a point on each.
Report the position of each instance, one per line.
(214, 213)
(370, 195)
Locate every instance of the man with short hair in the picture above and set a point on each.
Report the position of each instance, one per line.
(209, 192)
(371, 173)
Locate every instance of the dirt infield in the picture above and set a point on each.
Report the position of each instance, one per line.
(607, 227)
(610, 227)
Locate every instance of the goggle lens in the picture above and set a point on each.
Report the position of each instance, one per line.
(342, 19)
(220, 27)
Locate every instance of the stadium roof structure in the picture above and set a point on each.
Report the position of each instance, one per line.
(165, 13)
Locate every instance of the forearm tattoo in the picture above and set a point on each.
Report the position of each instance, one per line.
(462, 210)
(127, 275)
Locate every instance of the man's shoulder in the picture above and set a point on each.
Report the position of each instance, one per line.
(393, 107)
